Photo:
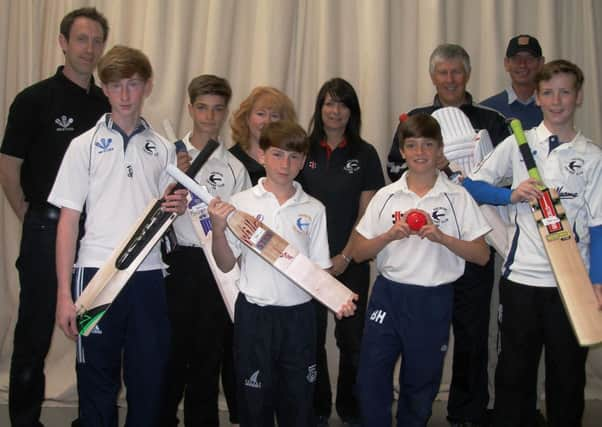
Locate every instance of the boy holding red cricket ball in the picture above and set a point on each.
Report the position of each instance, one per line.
(421, 229)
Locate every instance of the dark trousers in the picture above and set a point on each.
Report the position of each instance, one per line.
(35, 324)
(412, 321)
(348, 334)
(198, 319)
(133, 334)
(275, 359)
(468, 394)
(532, 318)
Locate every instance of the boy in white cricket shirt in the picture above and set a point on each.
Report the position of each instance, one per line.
(274, 327)
(200, 326)
(533, 316)
(115, 169)
(410, 308)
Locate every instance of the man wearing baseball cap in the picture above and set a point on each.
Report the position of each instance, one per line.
(523, 60)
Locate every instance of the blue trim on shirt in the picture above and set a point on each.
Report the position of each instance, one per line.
(595, 254)
(485, 193)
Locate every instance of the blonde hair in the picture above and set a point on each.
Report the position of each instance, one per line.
(269, 96)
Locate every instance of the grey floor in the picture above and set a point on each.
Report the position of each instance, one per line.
(62, 416)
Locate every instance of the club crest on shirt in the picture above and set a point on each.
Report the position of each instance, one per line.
(150, 148)
(352, 166)
(440, 215)
(302, 223)
(396, 216)
(215, 179)
(105, 145)
(312, 164)
(64, 123)
(575, 166)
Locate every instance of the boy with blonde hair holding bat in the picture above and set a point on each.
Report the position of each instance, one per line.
(533, 312)
(114, 170)
(274, 330)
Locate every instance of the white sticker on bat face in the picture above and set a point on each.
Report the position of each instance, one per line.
(256, 236)
(550, 220)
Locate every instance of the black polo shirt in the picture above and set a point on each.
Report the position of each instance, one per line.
(337, 180)
(254, 169)
(481, 118)
(42, 121)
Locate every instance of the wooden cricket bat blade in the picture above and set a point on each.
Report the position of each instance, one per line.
(276, 251)
(573, 280)
(108, 281)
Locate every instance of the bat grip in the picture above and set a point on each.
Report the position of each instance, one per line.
(197, 163)
(186, 181)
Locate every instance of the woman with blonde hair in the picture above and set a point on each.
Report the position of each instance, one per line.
(264, 105)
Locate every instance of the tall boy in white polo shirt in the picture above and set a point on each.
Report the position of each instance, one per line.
(274, 327)
(201, 328)
(410, 308)
(533, 314)
(114, 170)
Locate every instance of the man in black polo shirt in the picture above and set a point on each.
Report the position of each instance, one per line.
(42, 121)
(468, 396)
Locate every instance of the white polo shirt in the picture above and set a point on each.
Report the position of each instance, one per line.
(419, 261)
(223, 175)
(115, 182)
(301, 221)
(574, 169)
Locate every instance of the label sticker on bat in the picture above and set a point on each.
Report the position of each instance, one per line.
(260, 238)
(551, 220)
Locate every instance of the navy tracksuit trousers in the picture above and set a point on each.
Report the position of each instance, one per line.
(275, 363)
(134, 331)
(413, 321)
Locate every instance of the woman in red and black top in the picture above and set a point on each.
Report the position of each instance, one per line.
(343, 172)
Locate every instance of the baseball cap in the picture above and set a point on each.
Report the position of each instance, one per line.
(523, 43)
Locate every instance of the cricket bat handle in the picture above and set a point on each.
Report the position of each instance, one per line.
(525, 150)
(185, 181)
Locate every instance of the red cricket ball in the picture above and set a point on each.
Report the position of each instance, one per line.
(415, 220)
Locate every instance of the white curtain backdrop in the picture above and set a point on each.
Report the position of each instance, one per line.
(380, 46)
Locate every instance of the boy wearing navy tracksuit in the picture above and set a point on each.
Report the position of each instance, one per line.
(274, 325)
(115, 169)
(410, 308)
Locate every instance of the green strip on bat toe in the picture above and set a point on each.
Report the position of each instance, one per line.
(90, 318)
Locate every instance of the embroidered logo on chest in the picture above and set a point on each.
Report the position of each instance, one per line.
(575, 166)
(440, 215)
(64, 123)
(302, 223)
(150, 148)
(312, 164)
(352, 166)
(105, 145)
(215, 179)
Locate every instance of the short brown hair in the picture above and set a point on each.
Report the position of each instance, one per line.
(420, 125)
(550, 69)
(286, 135)
(122, 62)
(270, 96)
(208, 84)
(84, 12)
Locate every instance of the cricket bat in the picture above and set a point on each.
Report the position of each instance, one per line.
(227, 283)
(277, 252)
(554, 228)
(108, 281)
